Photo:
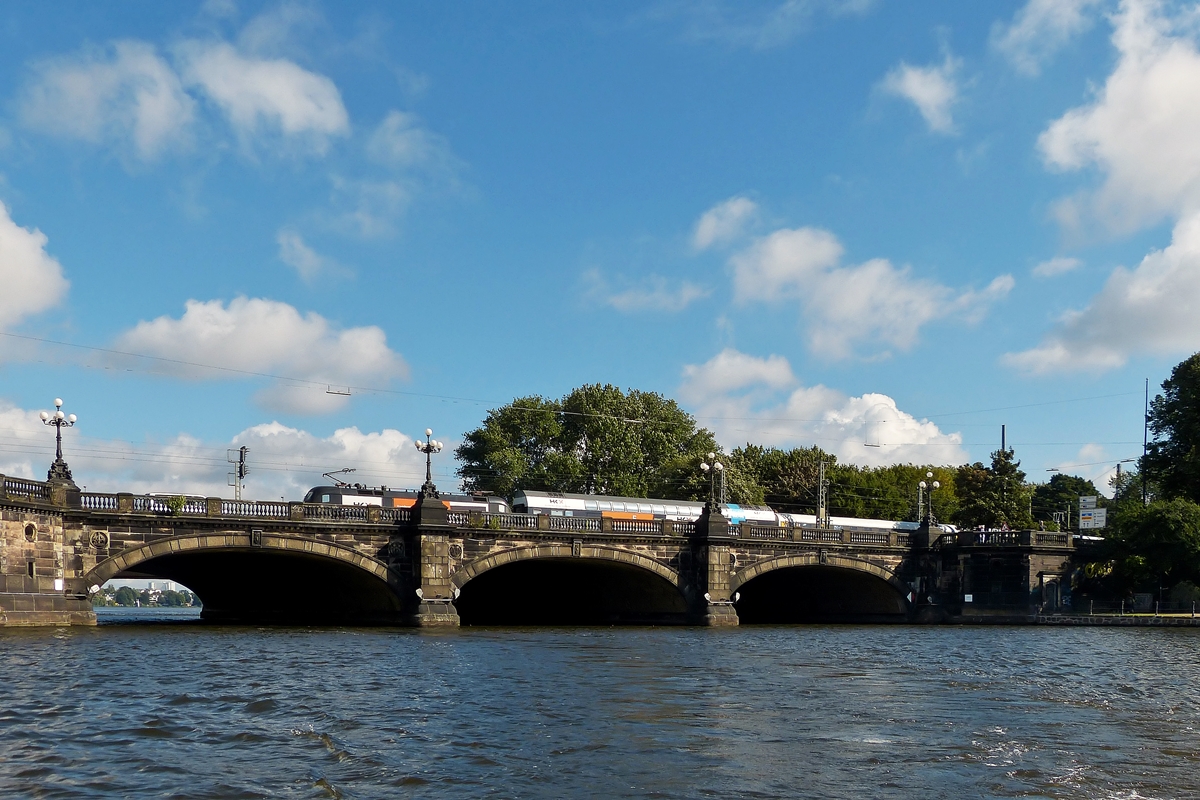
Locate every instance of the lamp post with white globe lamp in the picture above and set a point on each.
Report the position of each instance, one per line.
(926, 490)
(713, 468)
(429, 447)
(59, 471)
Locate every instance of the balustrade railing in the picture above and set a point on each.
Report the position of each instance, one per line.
(684, 527)
(825, 535)
(325, 511)
(95, 501)
(254, 508)
(521, 521)
(33, 490)
(458, 517)
(637, 526)
(764, 532)
(870, 537)
(147, 504)
(395, 514)
(576, 523)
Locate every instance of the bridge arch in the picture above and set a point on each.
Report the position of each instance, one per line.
(562, 584)
(264, 577)
(819, 586)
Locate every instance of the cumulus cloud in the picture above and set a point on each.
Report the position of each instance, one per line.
(124, 94)
(1139, 130)
(1040, 29)
(284, 461)
(933, 90)
(653, 293)
(260, 94)
(261, 336)
(32, 279)
(1056, 266)
(744, 398)
(1150, 309)
(844, 306)
(724, 222)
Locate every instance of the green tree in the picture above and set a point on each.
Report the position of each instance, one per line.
(1172, 460)
(596, 440)
(1060, 492)
(125, 596)
(995, 495)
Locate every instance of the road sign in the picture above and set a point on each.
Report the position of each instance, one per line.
(1087, 502)
(1092, 518)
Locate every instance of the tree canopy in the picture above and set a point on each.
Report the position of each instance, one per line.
(595, 440)
(995, 495)
(1172, 460)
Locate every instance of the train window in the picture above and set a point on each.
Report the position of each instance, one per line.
(324, 498)
(591, 505)
(605, 506)
(645, 508)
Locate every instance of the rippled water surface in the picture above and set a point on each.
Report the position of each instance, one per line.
(142, 706)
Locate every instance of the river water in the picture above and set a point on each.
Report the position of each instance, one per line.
(152, 703)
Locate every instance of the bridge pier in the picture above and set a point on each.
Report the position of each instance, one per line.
(428, 591)
(709, 593)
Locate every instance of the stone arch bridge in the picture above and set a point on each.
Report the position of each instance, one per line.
(321, 564)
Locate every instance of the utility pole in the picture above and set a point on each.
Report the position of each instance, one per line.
(238, 459)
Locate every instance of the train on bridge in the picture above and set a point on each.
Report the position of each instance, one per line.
(562, 504)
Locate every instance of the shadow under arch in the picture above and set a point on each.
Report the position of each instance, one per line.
(276, 580)
(553, 585)
(814, 587)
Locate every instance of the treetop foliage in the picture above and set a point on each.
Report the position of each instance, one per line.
(1172, 460)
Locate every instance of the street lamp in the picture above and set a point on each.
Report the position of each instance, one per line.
(925, 491)
(59, 471)
(713, 468)
(429, 447)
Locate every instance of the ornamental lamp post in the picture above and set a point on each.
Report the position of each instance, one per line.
(926, 489)
(712, 468)
(429, 447)
(59, 471)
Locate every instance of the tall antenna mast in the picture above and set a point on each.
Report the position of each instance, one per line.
(1145, 442)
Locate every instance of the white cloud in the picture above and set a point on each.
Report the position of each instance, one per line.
(265, 336)
(402, 141)
(1039, 29)
(294, 252)
(368, 208)
(743, 398)
(1058, 265)
(654, 293)
(284, 462)
(931, 89)
(31, 278)
(845, 305)
(1150, 309)
(260, 94)
(124, 93)
(1140, 130)
(724, 222)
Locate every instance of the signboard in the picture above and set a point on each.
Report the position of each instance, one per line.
(1092, 518)
(1087, 502)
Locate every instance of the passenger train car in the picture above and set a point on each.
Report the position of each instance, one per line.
(590, 505)
(359, 495)
(561, 504)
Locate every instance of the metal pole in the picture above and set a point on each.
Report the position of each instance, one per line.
(1145, 442)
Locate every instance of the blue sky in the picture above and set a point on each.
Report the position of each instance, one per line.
(838, 222)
